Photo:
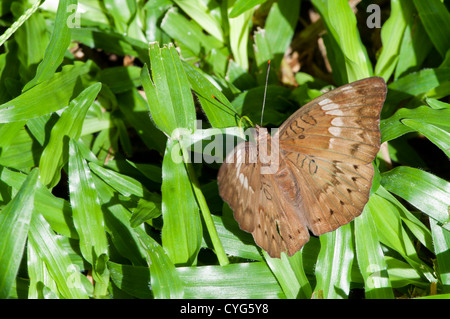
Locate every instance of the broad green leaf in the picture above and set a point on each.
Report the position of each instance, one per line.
(423, 190)
(55, 154)
(370, 257)
(8, 133)
(46, 97)
(262, 48)
(14, 224)
(436, 135)
(436, 104)
(88, 218)
(146, 209)
(402, 274)
(31, 39)
(168, 92)
(182, 230)
(280, 26)
(334, 264)
(20, 153)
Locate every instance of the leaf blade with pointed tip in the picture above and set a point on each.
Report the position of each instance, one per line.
(88, 217)
(14, 224)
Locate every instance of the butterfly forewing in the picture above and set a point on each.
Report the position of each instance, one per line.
(325, 171)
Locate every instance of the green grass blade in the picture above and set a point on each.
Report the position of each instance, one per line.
(55, 154)
(290, 275)
(165, 281)
(415, 47)
(341, 23)
(117, 222)
(14, 224)
(441, 242)
(46, 97)
(247, 280)
(425, 191)
(370, 257)
(41, 283)
(65, 274)
(124, 184)
(391, 233)
(59, 42)
(218, 115)
(203, 15)
(169, 95)
(393, 126)
(241, 245)
(436, 135)
(262, 48)
(392, 34)
(280, 26)
(435, 17)
(182, 230)
(419, 84)
(239, 29)
(334, 264)
(16, 25)
(135, 109)
(56, 210)
(88, 218)
(240, 6)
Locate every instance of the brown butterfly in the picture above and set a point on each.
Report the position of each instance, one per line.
(324, 170)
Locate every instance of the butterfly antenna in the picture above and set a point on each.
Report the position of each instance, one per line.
(265, 91)
(235, 113)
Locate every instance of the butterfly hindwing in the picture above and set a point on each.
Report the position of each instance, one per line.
(258, 203)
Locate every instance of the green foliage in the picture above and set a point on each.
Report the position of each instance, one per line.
(95, 123)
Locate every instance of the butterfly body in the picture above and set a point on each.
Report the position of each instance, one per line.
(319, 174)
